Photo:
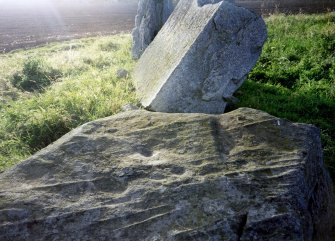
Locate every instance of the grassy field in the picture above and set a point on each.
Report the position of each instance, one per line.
(47, 91)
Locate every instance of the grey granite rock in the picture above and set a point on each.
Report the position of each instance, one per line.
(151, 16)
(200, 57)
(244, 175)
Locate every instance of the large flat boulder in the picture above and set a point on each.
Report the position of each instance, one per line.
(244, 175)
(200, 57)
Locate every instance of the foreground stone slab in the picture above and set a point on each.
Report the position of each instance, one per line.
(200, 57)
(244, 175)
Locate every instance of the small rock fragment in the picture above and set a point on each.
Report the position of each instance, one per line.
(122, 73)
(129, 107)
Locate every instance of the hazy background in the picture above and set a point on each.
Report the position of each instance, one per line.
(26, 23)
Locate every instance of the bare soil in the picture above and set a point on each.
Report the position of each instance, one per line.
(288, 6)
(25, 27)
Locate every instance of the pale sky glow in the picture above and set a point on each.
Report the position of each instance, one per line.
(36, 11)
(49, 3)
(25, 3)
(43, 5)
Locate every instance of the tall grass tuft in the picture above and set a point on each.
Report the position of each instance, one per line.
(35, 75)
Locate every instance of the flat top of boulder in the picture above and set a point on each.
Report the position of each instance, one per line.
(244, 175)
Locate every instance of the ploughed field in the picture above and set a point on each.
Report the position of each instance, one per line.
(29, 26)
(36, 24)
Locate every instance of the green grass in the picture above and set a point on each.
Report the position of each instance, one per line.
(84, 88)
(35, 76)
(294, 79)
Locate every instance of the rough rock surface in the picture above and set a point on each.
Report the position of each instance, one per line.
(200, 57)
(244, 175)
(151, 16)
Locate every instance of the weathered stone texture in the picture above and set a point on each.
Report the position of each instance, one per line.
(200, 57)
(151, 16)
(244, 175)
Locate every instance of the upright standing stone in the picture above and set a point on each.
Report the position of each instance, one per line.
(200, 57)
(151, 16)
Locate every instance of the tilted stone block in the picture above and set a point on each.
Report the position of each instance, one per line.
(200, 57)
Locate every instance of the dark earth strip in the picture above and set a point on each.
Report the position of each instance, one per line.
(26, 27)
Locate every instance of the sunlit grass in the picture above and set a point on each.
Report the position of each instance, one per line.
(87, 90)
